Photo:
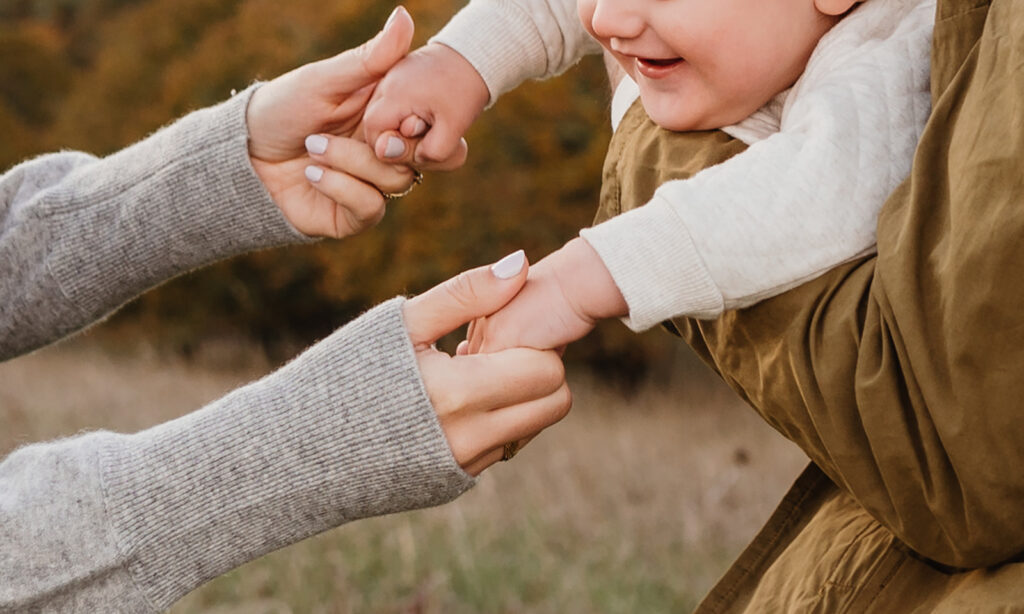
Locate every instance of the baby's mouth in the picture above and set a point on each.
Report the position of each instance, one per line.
(658, 68)
(659, 63)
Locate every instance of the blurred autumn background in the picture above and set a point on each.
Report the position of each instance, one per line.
(635, 503)
(96, 75)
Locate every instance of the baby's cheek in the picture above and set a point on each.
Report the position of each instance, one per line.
(616, 66)
(616, 69)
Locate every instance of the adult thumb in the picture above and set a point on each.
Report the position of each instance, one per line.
(469, 295)
(367, 63)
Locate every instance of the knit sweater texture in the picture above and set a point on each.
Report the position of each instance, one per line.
(802, 199)
(106, 522)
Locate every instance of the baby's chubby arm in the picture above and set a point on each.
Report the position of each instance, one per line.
(487, 49)
(565, 295)
(797, 203)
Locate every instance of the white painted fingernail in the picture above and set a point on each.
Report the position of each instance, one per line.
(394, 148)
(314, 173)
(391, 18)
(509, 266)
(419, 127)
(316, 144)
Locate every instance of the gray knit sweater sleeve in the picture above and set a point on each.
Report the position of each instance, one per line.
(130, 523)
(80, 235)
(104, 522)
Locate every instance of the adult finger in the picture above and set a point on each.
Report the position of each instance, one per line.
(394, 148)
(397, 148)
(358, 205)
(357, 159)
(413, 127)
(526, 419)
(469, 295)
(485, 382)
(359, 67)
(482, 437)
(478, 464)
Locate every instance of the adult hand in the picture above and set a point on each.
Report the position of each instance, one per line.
(330, 186)
(484, 401)
(422, 108)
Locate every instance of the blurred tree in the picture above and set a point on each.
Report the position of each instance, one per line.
(17, 142)
(99, 74)
(34, 79)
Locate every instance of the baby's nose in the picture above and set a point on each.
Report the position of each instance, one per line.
(618, 19)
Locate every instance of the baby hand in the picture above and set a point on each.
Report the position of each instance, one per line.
(336, 195)
(434, 94)
(565, 295)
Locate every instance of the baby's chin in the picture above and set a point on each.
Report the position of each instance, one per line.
(669, 113)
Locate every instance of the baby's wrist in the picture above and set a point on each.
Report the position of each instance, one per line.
(586, 282)
(471, 84)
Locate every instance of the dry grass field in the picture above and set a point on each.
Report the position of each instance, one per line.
(634, 504)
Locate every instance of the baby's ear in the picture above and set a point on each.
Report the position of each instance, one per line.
(834, 7)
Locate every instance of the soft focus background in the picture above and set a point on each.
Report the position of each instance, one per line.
(635, 503)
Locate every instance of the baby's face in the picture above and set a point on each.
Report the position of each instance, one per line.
(704, 64)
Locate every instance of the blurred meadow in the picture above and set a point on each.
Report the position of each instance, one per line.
(635, 503)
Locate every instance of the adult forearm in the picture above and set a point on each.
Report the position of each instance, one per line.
(83, 235)
(108, 522)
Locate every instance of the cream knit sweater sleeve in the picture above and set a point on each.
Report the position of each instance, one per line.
(796, 203)
(510, 41)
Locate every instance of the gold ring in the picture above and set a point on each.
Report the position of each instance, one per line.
(417, 178)
(509, 450)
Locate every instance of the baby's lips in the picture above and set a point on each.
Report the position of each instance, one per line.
(659, 62)
(658, 68)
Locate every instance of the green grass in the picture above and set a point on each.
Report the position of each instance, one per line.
(461, 560)
(634, 503)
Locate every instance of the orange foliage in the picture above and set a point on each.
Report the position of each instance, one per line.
(531, 182)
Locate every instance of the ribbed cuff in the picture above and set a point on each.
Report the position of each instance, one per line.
(344, 431)
(655, 264)
(180, 199)
(500, 41)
